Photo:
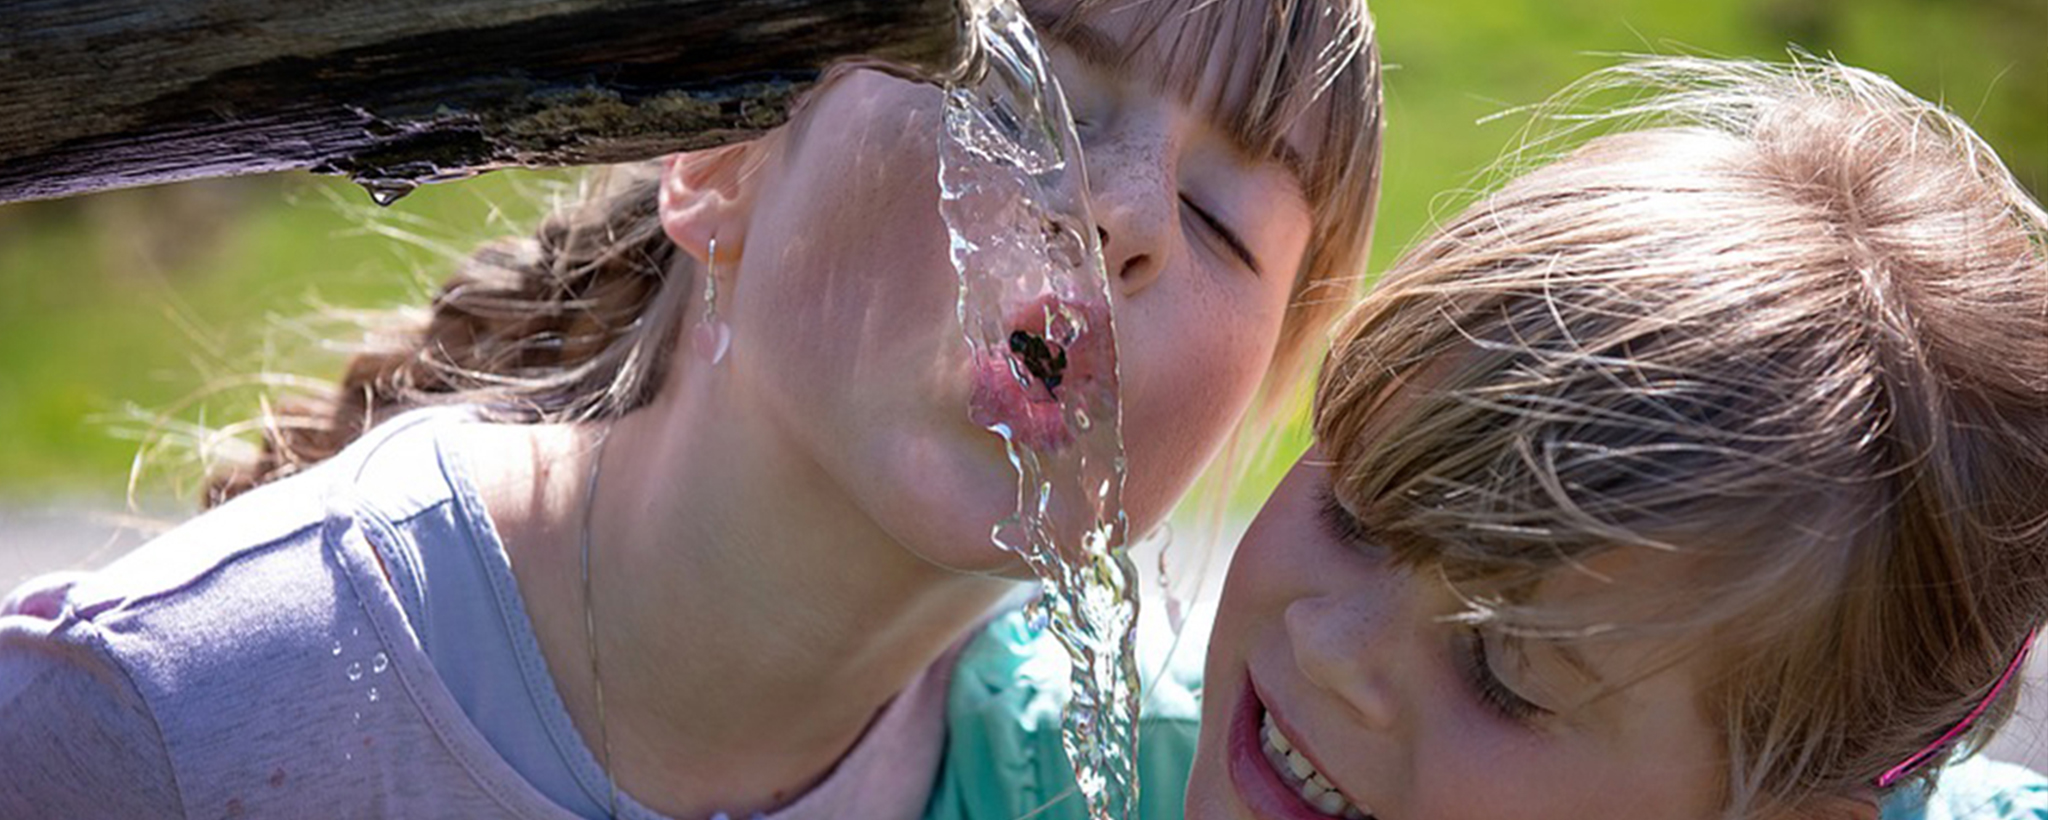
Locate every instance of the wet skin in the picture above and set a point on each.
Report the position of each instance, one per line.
(845, 349)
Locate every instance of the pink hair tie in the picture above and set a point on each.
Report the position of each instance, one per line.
(1896, 773)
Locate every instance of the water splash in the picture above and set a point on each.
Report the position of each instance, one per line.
(1035, 309)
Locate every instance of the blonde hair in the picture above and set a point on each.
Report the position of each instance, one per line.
(577, 321)
(1789, 325)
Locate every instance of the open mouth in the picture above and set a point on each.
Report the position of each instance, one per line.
(1275, 777)
(1024, 391)
(1044, 358)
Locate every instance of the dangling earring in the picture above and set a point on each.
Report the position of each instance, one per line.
(713, 336)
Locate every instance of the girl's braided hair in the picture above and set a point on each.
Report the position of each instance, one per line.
(571, 323)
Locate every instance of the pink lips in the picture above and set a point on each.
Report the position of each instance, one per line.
(1258, 786)
(1008, 396)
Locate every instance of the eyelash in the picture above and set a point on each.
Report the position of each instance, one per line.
(1216, 226)
(1339, 522)
(1341, 525)
(1495, 694)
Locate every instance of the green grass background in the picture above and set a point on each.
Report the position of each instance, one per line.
(121, 306)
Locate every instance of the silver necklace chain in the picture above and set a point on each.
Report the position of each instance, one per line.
(590, 626)
(604, 736)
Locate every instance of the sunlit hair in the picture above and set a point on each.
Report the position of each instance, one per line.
(577, 321)
(1787, 324)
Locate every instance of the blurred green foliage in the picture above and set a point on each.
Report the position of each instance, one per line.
(119, 307)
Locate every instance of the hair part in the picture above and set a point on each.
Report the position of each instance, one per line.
(1785, 323)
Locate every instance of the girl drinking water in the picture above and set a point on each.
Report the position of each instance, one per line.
(1700, 473)
(698, 522)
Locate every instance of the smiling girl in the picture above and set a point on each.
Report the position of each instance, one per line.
(1702, 473)
(698, 523)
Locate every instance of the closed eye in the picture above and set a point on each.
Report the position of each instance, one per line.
(1222, 232)
(1338, 521)
(1487, 684)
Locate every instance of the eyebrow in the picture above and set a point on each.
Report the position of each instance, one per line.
(1103, 52)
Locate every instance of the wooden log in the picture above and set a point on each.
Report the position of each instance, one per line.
(100, 94)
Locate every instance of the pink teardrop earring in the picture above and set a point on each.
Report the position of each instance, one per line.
(712, 337)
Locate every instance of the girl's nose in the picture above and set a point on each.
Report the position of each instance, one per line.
(1133, 200)
(1348, 648)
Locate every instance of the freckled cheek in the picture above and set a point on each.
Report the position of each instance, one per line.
(1184, 388)
(1467, 765)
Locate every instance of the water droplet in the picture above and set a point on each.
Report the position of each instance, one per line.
(336, 649)
(359, 717)
(1072, 325)
(355, 670)
(348, 756)
(380, 663)
(373, 694)
(355, 632)
(386, 191)
(1037, 615)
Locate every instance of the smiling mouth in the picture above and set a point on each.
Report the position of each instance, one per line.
(1299, 774)
(1274, 777)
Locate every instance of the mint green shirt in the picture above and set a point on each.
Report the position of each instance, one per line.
(1004, 759)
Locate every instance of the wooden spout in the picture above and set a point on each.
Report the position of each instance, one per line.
(101, 94)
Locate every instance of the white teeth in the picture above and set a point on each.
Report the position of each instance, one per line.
(1299, 765)
(1294, 768)
(1273, 735)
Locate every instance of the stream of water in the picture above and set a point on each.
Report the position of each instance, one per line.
(1035, 309)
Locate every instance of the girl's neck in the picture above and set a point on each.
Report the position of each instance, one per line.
(751, 621)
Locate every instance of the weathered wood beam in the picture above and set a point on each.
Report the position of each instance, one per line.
(111, 93)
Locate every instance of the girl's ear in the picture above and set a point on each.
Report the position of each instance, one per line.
(705, 195)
